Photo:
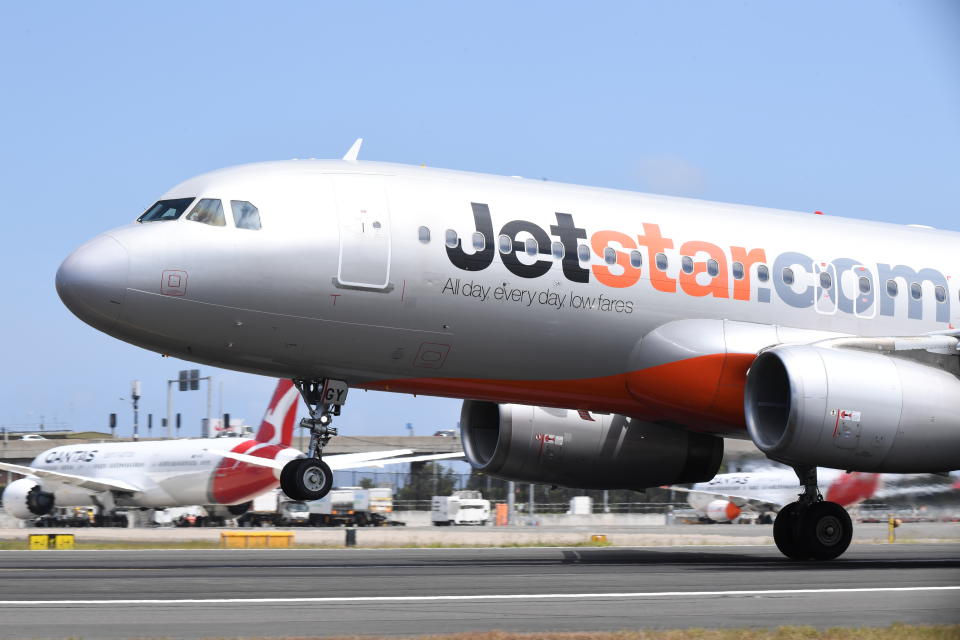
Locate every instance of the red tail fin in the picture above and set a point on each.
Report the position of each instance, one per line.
(851, 488)
(277, 425)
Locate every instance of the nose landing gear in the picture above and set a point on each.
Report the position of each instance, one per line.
(810, 528)
(310, 478)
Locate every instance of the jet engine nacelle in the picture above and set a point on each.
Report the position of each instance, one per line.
(565, 447)
(854, 410)
(24, 499)
(228, 510)
(720, 510)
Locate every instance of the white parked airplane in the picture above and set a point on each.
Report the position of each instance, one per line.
(723, 498)
(222, 474)
(768, 490)
(600, 338)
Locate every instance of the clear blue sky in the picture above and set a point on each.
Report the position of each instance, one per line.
(852, 108)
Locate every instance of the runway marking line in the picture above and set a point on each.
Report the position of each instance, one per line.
(523, 596)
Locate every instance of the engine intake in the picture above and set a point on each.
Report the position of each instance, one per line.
(853, 410)
(24, 499)
(560, 446)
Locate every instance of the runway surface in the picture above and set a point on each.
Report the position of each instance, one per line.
(257, 593)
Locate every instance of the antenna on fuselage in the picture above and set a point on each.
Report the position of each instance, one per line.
(351, 155)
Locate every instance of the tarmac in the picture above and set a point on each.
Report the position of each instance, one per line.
(320, 592)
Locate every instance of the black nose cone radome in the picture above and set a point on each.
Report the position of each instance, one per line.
(92, 281)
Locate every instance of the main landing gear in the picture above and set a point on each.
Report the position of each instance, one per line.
(310, 478)
(810, 528)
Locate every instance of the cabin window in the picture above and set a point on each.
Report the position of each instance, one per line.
(916, 291)
(530, 246)
(686, 263)
(662, 262)
(450, 238)
(479, 241)
(825, 280)
(583, 253)
(738, 271)
(208, 211)
(636, 259)
(763, 273)
(423, 235)
(245, 215)
(713, 267)
(609, 255)
(940, 293)
(165, 210)
(787, 275)
(506, 243)
(892, 288)
(557, 250)
(864, 284)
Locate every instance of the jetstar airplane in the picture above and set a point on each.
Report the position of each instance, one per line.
(599, 338)
(223, 474)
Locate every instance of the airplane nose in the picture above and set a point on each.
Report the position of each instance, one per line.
(92, 281)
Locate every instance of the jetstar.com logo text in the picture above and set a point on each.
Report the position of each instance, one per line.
(706, 269)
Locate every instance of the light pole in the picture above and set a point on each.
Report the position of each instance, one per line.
(135, 395)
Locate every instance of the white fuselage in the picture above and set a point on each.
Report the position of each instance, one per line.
(170, 473)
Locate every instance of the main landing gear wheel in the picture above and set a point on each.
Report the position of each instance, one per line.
(306, 479)
(786, 532)
(826, 530)
(811, 528)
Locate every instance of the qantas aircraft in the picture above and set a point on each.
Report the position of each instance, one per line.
(223, 474)
(599, 338)
(727, 495)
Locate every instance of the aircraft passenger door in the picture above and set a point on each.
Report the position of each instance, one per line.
(364, 232)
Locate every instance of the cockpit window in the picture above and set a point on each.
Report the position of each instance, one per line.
(208, 211)
(245, 215)
(165, 210)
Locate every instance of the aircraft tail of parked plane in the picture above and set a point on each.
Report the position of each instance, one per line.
(277, 424)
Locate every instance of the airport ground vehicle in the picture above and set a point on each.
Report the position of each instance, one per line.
(81, 517)
(352, 506)
(598, 338)
(274, 508)
(463, 507)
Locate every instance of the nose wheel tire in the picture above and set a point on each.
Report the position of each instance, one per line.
(306, 479)
(817, 531)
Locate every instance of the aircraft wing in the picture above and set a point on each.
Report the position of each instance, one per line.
(84, 482)
(423, 458)
(346, 460)
(741, 501)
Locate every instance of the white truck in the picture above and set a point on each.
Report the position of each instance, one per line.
(273, 508)
(352, 506)
(463, 507)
